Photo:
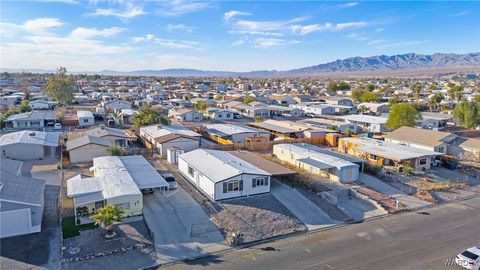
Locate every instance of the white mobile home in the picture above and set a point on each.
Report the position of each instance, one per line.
(318, 161)
(28, 145)
(85, 118)
(234, 133)
(221, 175)
(118, 181)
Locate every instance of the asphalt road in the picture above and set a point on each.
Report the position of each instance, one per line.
(422, 240)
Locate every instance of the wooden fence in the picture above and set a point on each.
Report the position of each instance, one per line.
(262, 146)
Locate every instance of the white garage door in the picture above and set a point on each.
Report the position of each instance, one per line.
(15, 222)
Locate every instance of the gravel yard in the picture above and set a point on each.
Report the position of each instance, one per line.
(257, 217)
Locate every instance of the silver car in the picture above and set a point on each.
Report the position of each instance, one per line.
(172, 183)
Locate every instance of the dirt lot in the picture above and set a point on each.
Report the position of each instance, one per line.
(257, 217)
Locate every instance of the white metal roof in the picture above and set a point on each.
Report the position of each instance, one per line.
(30, 137)
(144, 175)
(115, 176)
(230, 129)
(320, 159)
(219, 165)
(84, 114)
(156, 131)
(389, 150)
(365, 119)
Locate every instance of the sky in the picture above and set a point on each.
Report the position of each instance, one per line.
(123, 35)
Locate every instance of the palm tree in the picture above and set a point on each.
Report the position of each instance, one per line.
(107, 216)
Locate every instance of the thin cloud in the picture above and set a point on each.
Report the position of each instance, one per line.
(182, 27)
(357, 37)
(84, 33)
(256, 33)
(41, 24)
(272, 42)
(130, 11)
(401, 44)
(227, 16)
(311, 28)
(348, 5)
(168, 43)
(461, 13)
(180, 7)
(70, 2)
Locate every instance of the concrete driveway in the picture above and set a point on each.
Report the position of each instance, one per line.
(38, 250)
(409, 201)
(304, 209)
(180, 227)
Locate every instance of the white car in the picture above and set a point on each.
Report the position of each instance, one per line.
(469, 258)
(172, 183)
(57, 126)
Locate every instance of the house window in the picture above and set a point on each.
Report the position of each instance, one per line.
(190, 171)
(228, 115)
(423, 161)
(233, 186)
(85, 120)
(259, 182)
(123, 206)
(219, 115)
(373, 157)
(35, 123)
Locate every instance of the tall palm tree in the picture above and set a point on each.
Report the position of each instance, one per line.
(107, 216)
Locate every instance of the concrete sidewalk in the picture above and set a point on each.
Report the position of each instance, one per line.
(305, 210)
(409, 201)
(180, 227)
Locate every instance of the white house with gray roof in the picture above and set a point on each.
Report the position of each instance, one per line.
(29, 145)
(21, 201)
(221, 175)
(118, 180)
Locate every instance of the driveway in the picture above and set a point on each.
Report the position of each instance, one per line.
(304, 209)
(410, 202)
(180, 227)
(39, 250)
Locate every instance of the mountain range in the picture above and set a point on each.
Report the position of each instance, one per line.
(379, 63)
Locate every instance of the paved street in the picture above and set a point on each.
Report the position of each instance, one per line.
(422, 240)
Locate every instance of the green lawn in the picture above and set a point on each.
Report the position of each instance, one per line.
(69, 229)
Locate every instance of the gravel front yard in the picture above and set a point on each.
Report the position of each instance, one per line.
(256, 217)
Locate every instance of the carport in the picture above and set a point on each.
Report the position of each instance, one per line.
(277, 171)
(144, 175)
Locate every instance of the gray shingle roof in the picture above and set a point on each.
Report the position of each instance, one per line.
(87, 139)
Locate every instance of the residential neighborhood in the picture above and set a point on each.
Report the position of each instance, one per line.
(193, 134)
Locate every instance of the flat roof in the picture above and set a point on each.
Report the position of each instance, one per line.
(116, 176)
(30, 137)
(365, 119)
(230, 129)
(262, 163)
(320, 159)
(156, 131)
(388, 150)
(84, 114)
(219, 165)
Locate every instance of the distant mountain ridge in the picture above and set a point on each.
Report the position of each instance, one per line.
(409, 61)
(379, 63)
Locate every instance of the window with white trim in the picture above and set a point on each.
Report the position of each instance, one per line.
(233, 186)
(259, 182)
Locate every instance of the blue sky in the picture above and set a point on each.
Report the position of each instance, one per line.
(226, 35)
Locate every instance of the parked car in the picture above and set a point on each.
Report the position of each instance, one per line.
(172, 183)
(147, 190)
(470, 258)
(57, 126)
